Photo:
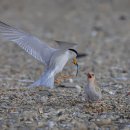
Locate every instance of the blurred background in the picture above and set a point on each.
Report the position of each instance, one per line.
(71, 20)
(102, 30)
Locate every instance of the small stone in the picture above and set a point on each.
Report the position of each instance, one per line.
(63, 117)
(122, 17)
(60, 112)
(93, 126)
(127, 127)
(78, 88)
(79, 126)
(28, 122)
(71, 80)
(114, 128)
(29, 115)
(40, 110)
(44, 98)
(51, 124)
(40, 123)
(101, 122)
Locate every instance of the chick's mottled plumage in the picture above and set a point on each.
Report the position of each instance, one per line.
(92, 90)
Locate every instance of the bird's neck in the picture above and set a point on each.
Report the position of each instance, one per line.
(91, 84)
(91, 81)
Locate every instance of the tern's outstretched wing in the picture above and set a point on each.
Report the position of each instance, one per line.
(38, 49)
(66, 45)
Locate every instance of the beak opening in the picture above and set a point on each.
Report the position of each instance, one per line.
(89, 76)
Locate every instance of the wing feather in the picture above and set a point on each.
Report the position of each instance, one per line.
(35, 47)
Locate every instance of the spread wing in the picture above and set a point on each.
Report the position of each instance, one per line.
(66, 45)
(38, 49)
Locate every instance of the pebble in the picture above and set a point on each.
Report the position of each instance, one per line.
(51, 124)
(44, 99)
(71, 80)
(40, 110)
(93, 126)
(40, 123)
(60, 112)
(78, 88)
(101, 122)
(63, 117)
(126, 127)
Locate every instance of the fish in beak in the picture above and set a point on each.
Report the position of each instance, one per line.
(76, 63)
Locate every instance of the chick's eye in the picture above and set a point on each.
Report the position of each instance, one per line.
(92, 74)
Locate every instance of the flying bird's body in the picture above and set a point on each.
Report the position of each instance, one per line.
(53, 59)
(55, 66)
(92, 90)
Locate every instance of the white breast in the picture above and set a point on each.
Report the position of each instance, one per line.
(91, 93)
(61, 61)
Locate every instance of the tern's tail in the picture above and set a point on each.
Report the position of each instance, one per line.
(46, 80)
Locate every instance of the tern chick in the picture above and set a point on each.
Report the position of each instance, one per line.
(92, 90)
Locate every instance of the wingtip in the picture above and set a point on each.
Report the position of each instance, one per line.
(3, 23)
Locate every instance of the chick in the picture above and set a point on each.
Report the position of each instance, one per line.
(92, 91)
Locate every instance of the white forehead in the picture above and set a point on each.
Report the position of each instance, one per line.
(72, 54)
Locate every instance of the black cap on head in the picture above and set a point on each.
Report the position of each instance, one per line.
(74, 51)
(76, 57)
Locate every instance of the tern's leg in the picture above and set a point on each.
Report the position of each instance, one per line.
(61, 78)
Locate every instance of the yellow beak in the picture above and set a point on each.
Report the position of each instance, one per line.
(75, 63)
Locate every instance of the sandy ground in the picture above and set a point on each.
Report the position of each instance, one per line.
(102, 29)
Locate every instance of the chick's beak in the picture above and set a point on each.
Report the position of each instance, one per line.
(76, 63)
(89, 76)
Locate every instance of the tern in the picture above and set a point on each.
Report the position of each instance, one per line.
(54, 59)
